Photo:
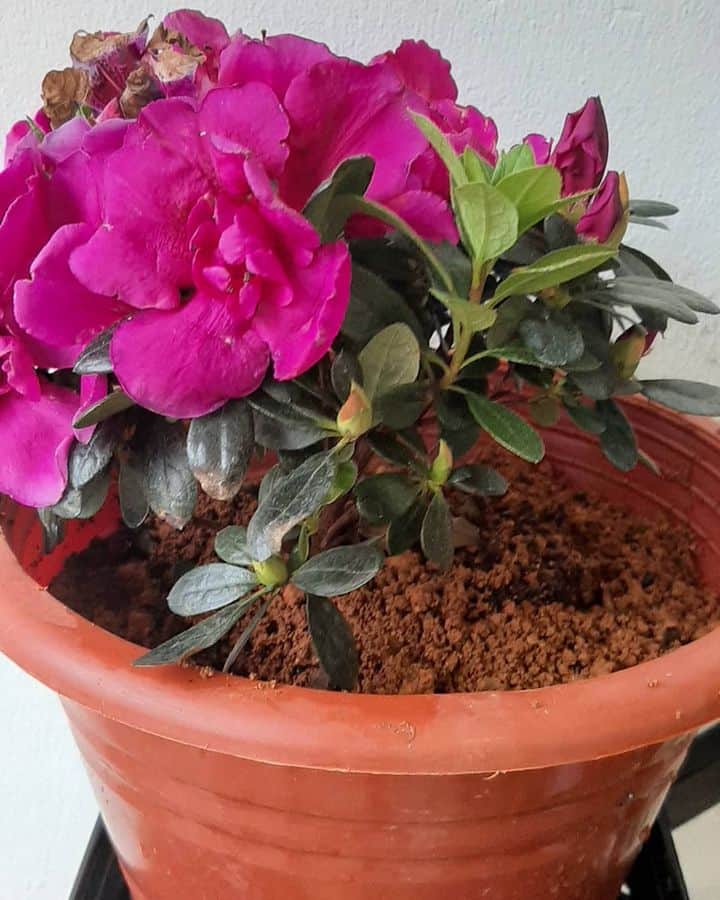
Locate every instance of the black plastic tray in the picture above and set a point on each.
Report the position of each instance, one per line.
(655, 876)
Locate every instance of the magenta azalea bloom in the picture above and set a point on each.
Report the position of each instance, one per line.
(222, 274)
(581, 152)
(604, 212)
(540, 147)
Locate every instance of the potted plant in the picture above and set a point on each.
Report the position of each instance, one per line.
(287, 304)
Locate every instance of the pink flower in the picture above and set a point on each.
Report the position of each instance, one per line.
(605, 211)
(540, 147)
(582, 150)
(223, 275)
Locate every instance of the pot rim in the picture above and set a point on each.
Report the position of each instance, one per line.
(493, 732)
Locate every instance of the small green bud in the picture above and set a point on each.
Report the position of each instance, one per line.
(627, 351)
(271, 572)
(355, 416)
(442, 465)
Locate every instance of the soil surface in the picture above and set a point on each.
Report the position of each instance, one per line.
(562, 586)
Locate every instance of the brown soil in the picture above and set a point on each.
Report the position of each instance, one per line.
(563, 586)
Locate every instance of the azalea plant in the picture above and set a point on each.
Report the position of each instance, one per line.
(212, 245)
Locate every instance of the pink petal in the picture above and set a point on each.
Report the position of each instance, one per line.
(302, 333)
(40, 434)
(275, 61)
(540, 147)
(189, 361)
(426, 213)
(92, 389)
(55, 309)
(341, 109)
(207, 34)
(421, 69)
(23, 232)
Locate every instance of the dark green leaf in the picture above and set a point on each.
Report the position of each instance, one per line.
(436, 534)
(618, 439)
(345, 477)
(95, 358)
(280, 426)
(209, 587)
(553, 269)
(691, 397)
(555, 340)
(383, 498)
(585, 418)
(507, 428)
(458, 265)
(169, 484)
(514, 353)
(648, 289)
(510, 315)
(339, 570)
(134, 506)
(197, 638)
(635, 262)
(88, 460)
(650, 223)
(390, 449)
(528, 248)
(479, 479)
(390, 358)
(219, 446)
(651, 208)
(115, 402)
(291, 499)
(52, 529)
(404, 532)
(344, 370)
(84, 502)
(373, 306)
(559, 233)
(247, 633)
(402, 406)
(598, 384)
(333, 642)
(231, 545)
(351, 177)
(461, 440)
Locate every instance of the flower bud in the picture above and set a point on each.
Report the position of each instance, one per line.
(606, 211)
(355, 415)
(581, 152)
(271, 572)
(628, 350)
(442, 465)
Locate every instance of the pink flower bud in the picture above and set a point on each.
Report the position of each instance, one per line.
(581, 152)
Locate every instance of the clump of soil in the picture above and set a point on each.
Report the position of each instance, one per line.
(562, 586)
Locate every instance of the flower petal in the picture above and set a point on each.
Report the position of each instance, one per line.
(422, 69)
(40, 434)
(92, 389)
(189, 361)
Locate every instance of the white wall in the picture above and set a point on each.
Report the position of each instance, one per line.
(656, 65)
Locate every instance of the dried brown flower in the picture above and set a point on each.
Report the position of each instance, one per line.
(63, 92)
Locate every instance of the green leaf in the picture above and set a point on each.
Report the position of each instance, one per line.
(53, 528)
(585, 418)
(617, 441)
(510, 314)
(475, 317)
(169, 484)
(635, 262)
(436, 534)
(383, 498)
(649, 208)
(488, 220)
(461, 440)
(598, 384)
(402, 406)
(323, 211)
(404, 532)
(516, 159)
(197, 638)
(373, 305)
(559, 232)
(219, 447)
(281, 426)
(333, 642)
(344, 370)
(209, 587)
(649, 223)
(663, 295)
(475, 166)
(231, 546)
(392, 450)
(134, 507)
(693, 397)
(270, 480)
(246, 634)
(289, 500)
(339, 570)
(531, 191)
(95, 358)
(84, 502)
(479, 479)
(553, 269)
(115, 402)
(391, 358)
(555, 340)
(441, 146)
(514, 353)
(345, 477)
(507, 428)
(88, 460)
(457, 263)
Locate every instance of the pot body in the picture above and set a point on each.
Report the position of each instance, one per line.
(224, 788)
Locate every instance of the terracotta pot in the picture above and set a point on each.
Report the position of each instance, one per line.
(224, 788)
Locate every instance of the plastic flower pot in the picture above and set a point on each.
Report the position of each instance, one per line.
(223, 787)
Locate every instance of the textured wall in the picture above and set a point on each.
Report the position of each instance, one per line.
(655, 64)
